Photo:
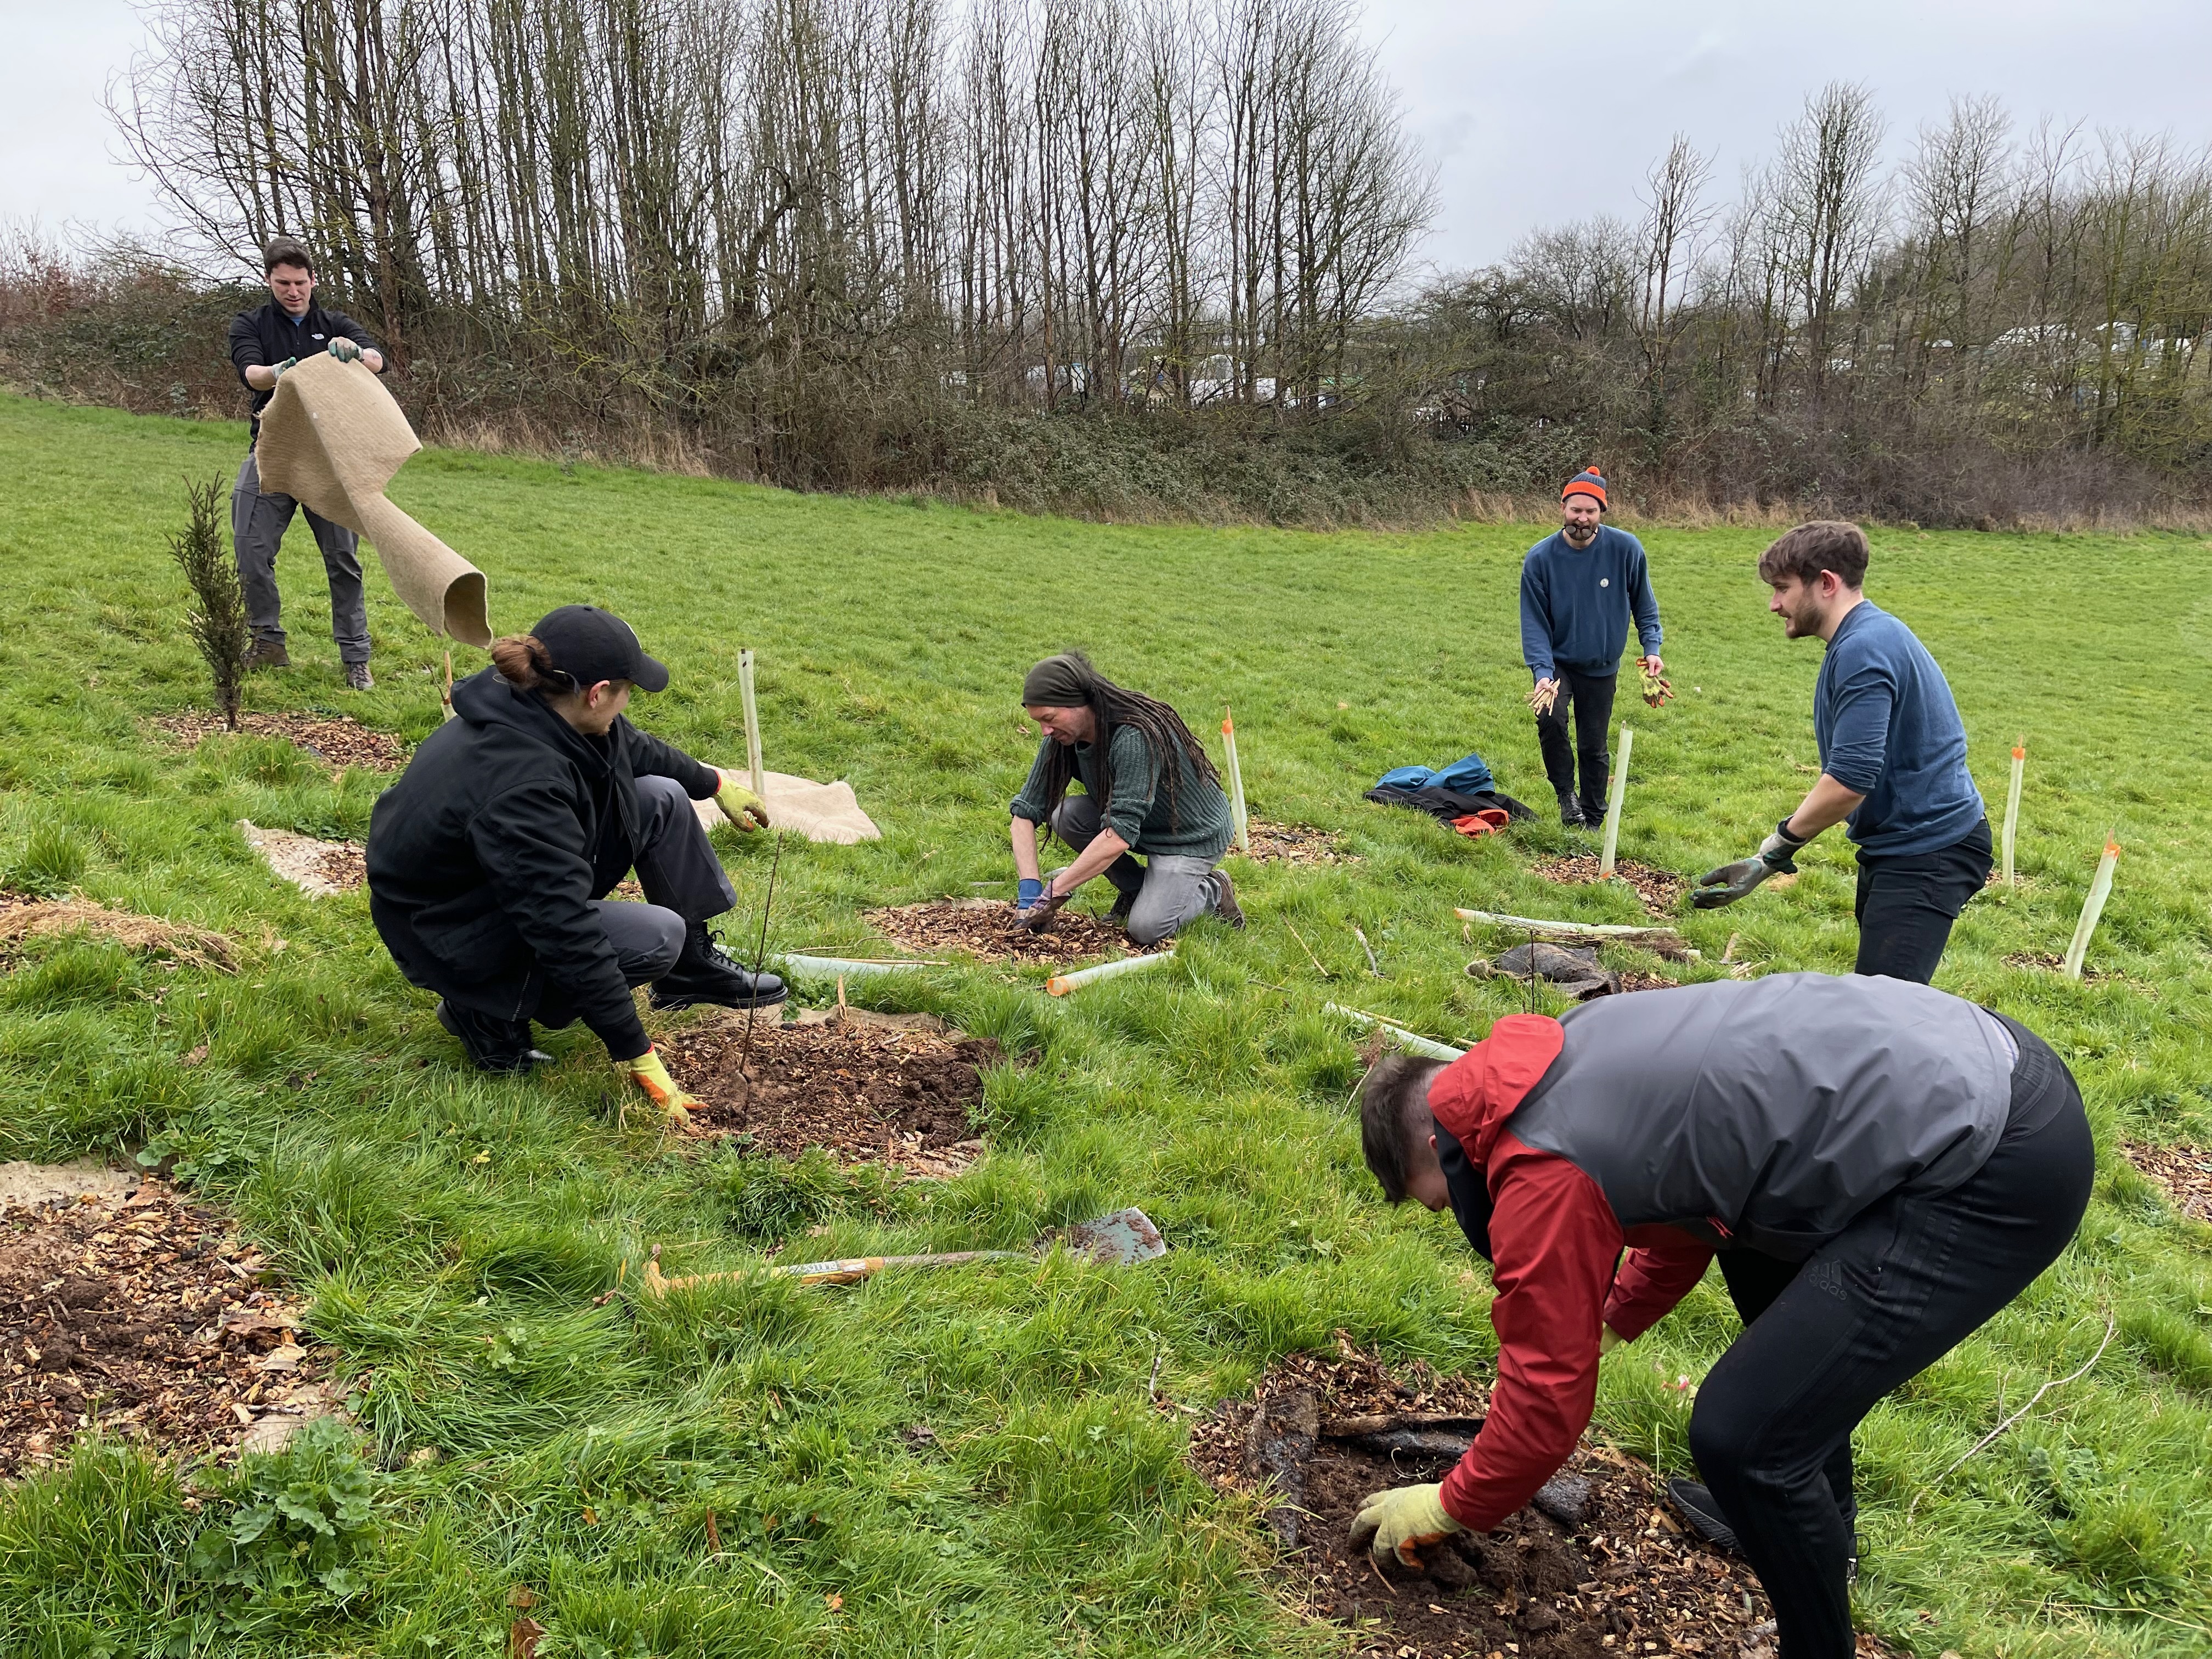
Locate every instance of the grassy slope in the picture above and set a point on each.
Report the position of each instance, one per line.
(453, 1229)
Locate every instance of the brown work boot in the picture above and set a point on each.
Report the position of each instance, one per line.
(1224, 900)
(268, 654)
(358, 678)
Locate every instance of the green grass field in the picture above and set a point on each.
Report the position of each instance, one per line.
(453, 1230)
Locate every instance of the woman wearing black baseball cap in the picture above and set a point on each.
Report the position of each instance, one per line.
(490, 861)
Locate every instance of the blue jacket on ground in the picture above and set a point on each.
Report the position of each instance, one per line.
(1574, 606)
(1888, 729)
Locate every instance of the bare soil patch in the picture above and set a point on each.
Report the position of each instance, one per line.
(143, 1315)
(2185, 1172)
(22, 917)
(1659, 892)
(1294, 843)
(338, 740)
(322, 868)
(2052, 961)
(986, 930)
(866, 1091)
(1595, 1568)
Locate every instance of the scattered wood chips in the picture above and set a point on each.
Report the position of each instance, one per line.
(337, 740)
(867, 1092)
(1659, 891)
(986, 930)
(322, 868)
(22, 917)
(1613, 1574)
(1294, 843)
(140, 1315)
(2051, 962)
(2185, 1172)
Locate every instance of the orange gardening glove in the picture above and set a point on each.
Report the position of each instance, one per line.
(649, 1074)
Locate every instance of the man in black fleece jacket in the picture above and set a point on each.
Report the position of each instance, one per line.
(489, 861)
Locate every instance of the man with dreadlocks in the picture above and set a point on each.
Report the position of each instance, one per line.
(1149, 788)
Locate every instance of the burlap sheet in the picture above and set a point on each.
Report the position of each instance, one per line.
(820, 811)
(332, 437)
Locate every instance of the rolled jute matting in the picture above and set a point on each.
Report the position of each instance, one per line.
(332, 437)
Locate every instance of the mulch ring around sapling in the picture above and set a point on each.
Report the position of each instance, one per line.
(141, 1314)
(1660, 890)
(986, 930)
(337, 740)
(1594, 1570)
(1293, 843)
(866, 1093)
(2184, 1172)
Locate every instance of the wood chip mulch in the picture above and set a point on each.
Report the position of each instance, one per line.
(866, 1093)
(1601, 1570)
(322, 868)
(338, 740)
(2051, 962)
(1293, 843)
(1659, 892)
(2185, 1172)
(142, 1315)
(985, 930)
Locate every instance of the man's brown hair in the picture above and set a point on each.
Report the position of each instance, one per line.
(1823, 544)
(284, 251)
(1395, 1125)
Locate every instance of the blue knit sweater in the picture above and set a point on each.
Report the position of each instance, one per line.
(1575, 606)
(1888, 729)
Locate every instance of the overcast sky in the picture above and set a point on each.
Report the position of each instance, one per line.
(1530, 112)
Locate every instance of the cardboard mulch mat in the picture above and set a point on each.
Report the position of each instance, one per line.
(1293, 843)
(1594, 1569)
(139, 1313)
(22, 917)
(986, 929)
(866, 1090)
(2185, 1172)
(1660, 890)
(337, 740)
(319, 868)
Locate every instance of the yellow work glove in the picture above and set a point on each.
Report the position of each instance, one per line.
(1403, 1522)
(743, 807)
(650, 1075)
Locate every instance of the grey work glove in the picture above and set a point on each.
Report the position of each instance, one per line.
(277, 370)
(345, 350)
(1042, 909)
(1775, 857)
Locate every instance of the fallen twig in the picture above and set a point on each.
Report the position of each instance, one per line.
(1308, 949)
(1373, 966)
(2081, 1371)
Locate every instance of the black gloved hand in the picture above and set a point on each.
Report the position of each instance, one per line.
(1775, 857)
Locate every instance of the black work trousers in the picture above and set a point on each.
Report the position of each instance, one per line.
(1825, 1339)
(1590, 698)
(1905, 906)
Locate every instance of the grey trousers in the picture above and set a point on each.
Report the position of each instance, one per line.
(1170, 891)
(257, 523)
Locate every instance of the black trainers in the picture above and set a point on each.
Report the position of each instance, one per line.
(1696, 1505)
(492, 1045)
(267, 654)
(1224, 900)
(704, 974)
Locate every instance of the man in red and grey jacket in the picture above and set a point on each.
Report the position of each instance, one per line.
(1879, 1167)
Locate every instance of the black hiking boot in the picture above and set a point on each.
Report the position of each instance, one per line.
(1694, 1502)
(267, 654)
(1224, 900)
(1125, 900)
(704, 974)
(1571, 811)
(491, 1044)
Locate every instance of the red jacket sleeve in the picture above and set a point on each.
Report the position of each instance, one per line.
(1556, 1241)
(1664, 1266)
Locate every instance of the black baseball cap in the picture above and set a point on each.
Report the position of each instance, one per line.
(594, 644)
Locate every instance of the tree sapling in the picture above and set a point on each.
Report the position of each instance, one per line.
(218, 627)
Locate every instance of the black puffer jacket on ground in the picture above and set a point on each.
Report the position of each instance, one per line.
(482, 857)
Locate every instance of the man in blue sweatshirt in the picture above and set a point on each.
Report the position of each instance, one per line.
(1893, 761)
(1578, 588)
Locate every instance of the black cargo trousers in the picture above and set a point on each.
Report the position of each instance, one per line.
(1825, 1339)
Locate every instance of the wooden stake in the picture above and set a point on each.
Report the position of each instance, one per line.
(2012, 810)
(753, 722)
(1235, 785)
(1614, 797)
(2101, 889)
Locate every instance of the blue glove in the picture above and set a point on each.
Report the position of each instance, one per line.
(344, 349)
(1027, 891)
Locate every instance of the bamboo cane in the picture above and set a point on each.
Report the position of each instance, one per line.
(1060, 984)
(752, 722)
(2101, 889)
(2012, 810)
(1615, 796)
(1235, 785)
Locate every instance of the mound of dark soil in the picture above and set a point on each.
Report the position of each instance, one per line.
(1594, 1570)
(864, 1092)
(1660, 890)
(140, 1315)
(986, 929)
(2185, 1172)
(337, 740)
(1294, 843)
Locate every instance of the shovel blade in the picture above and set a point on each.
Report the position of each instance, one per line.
(1125, 1237)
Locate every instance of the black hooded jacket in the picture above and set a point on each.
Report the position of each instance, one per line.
(482, 857)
